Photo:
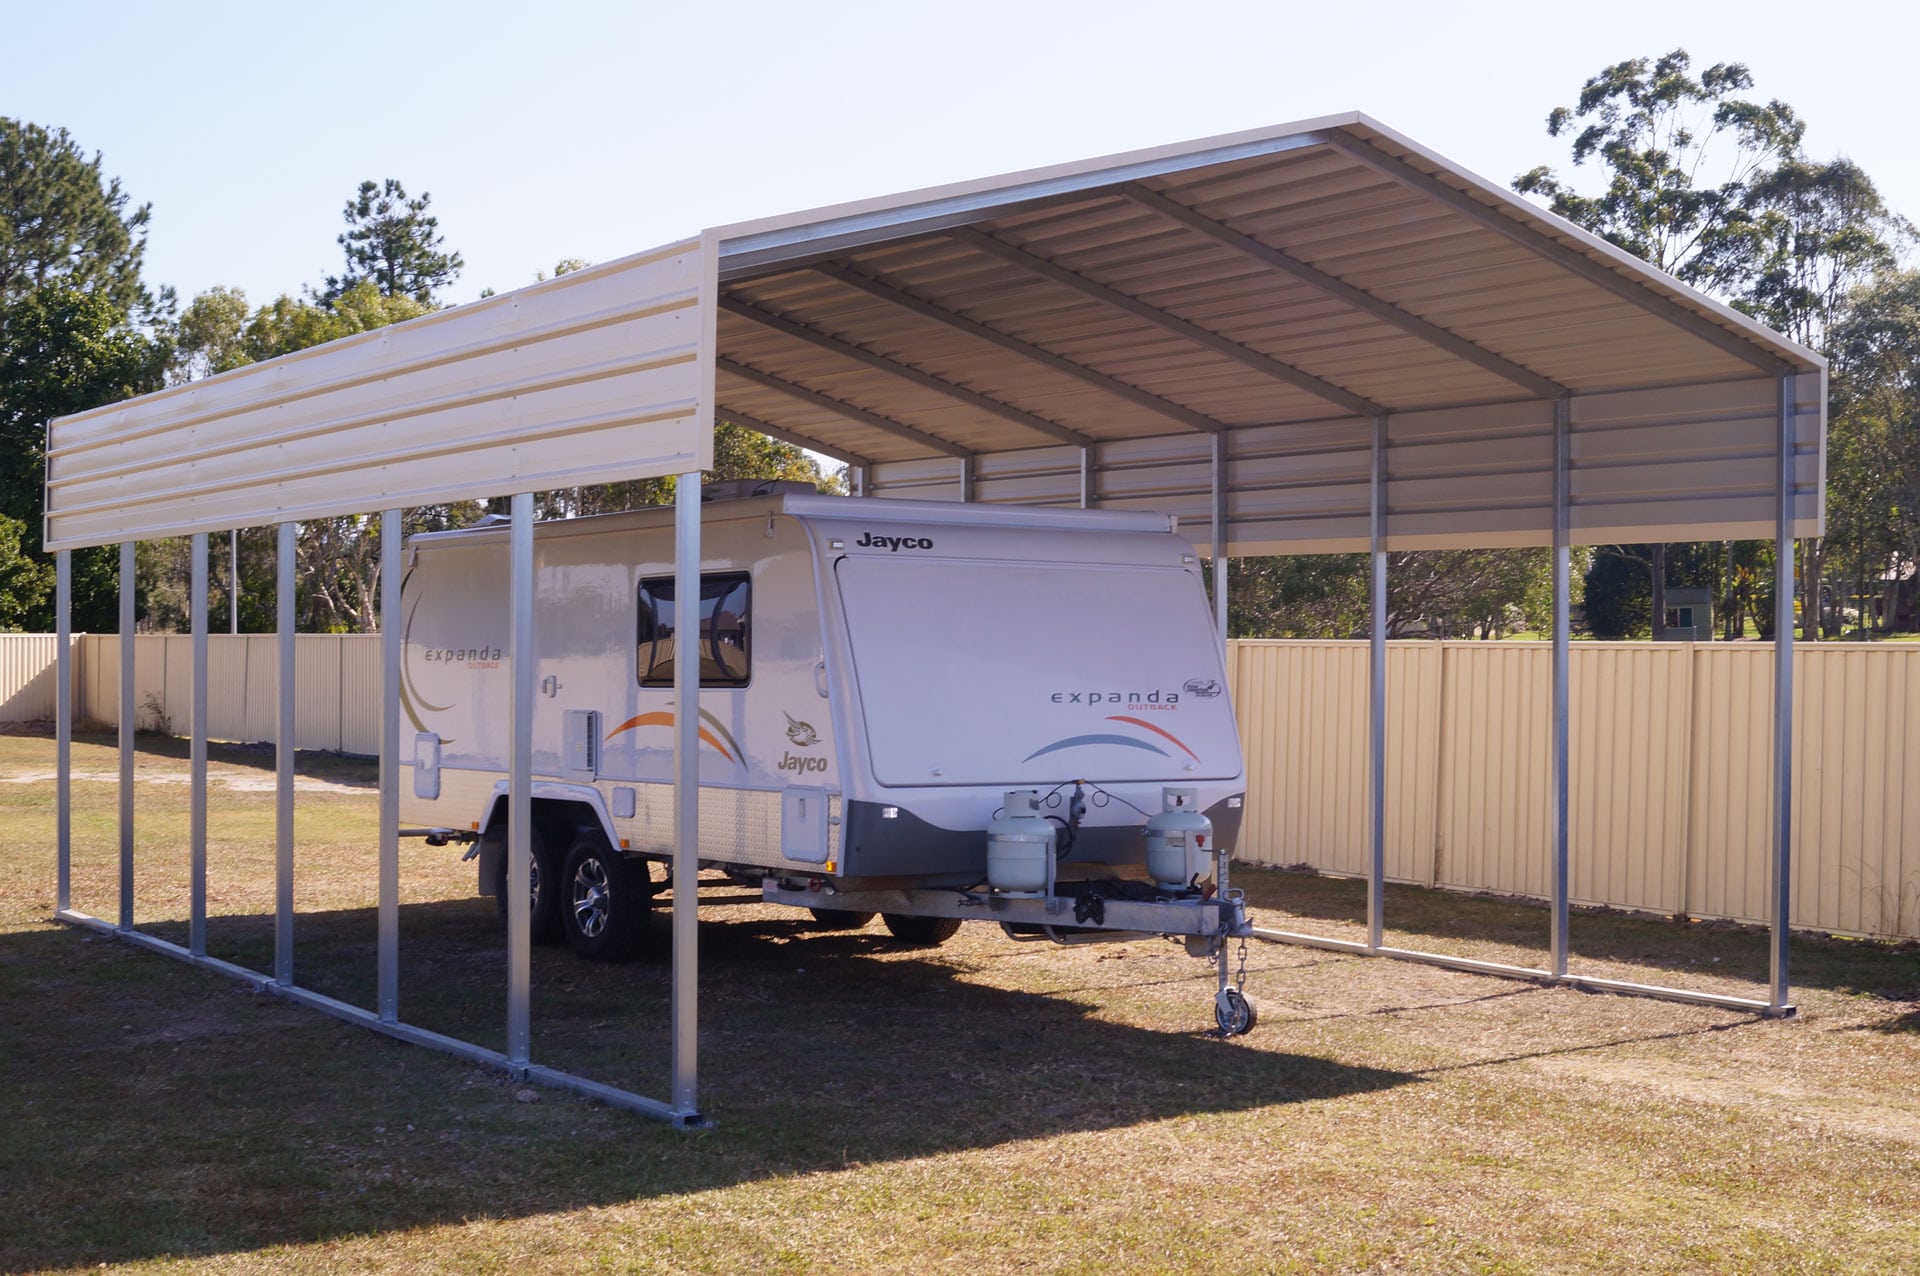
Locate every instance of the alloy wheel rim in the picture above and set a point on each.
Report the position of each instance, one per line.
(590, 898)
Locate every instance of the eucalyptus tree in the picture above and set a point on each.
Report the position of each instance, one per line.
(1709, 182)
(1875, 510)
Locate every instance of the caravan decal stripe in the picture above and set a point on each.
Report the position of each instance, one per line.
(644, 720)
(1076, 741)
(664, 718)
(1135, 722)
(721, 730)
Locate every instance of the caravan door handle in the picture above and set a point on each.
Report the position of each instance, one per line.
(820, 678)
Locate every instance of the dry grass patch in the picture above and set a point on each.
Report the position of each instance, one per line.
(983, 1107)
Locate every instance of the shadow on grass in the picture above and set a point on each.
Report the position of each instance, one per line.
(1909, 1022)
(160, 1111)
(1681, 951)
(317, 764)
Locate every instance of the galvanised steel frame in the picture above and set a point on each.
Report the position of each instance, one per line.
(1776, 1004)
(682, 1107)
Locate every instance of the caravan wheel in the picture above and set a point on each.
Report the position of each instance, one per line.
(607, 897)
(839, 918)
(921, 932)
(543, 921)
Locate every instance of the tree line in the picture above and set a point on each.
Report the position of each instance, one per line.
(80, 327)
(1694, 173)
(1700, 177)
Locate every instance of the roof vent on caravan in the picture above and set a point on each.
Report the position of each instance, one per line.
(746, 489)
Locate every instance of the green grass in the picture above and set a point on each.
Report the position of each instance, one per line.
(982, 1107)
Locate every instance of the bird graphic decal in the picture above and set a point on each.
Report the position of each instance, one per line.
(801, 733)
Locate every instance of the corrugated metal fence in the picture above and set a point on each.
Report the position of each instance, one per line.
(1671, 775)
(1670, 764)
(337, 693)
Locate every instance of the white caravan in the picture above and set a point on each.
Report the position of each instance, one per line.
(893, 693)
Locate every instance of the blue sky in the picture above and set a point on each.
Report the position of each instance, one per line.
(572, 128)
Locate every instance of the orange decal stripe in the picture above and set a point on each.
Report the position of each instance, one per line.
(1156, 730)
(663, 718)
(655, 719)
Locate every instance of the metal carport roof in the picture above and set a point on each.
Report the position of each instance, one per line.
(1276, 289)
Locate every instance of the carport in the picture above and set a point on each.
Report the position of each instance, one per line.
(1313, 338)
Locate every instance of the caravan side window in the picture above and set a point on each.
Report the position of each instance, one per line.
(726, 631)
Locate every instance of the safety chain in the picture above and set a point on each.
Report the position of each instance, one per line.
(1240, 975)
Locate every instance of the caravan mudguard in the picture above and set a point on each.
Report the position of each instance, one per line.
(543, 791)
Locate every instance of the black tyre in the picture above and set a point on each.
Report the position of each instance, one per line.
(1235, 1013)
(921, 932)
(543, 922)
(605, 900)
(839, 918)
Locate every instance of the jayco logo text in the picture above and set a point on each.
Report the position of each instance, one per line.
(893, 544)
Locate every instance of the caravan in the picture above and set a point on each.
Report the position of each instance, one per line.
(928, 710)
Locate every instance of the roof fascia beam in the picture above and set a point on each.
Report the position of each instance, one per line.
(773, 251)
(1546, 246)
(882, 291)
(1266, 364)
(1361, 300)
(782, 434)
(906, 372)
(839, 407)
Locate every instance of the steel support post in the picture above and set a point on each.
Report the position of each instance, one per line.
(283, 738)
(197, 753)
(857, 480)
(520, 787)
(63, 730)
(1377, 690)
(1086, 478)
(233, 581)
(1562, 592)
(1783, 590)
(1217, 502)
(966, 477)
(388, 958)
(686, 800)
(126, 734)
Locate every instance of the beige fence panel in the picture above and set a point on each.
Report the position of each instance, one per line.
(1495, 808)
(316, 691)
(27, 682)
(1302, 709)
(1857, 789)
(1671, 758)
(361, 697)
(1629, 753)
(150, 709)
(1670, 768)
(1732, 817)
(336, 687)
(99, 678)
(261, 708)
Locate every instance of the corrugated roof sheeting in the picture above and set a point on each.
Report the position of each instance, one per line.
(1090, 333)
(600, 375)
(1285, 285)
